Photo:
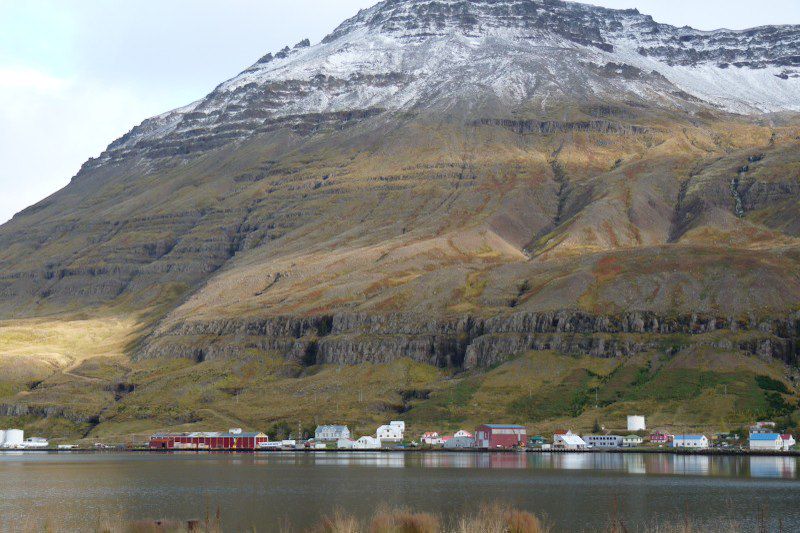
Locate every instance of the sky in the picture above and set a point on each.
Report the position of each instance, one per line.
(77, 74)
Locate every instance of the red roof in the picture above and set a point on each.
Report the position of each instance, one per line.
(786, 436)
(561, 432)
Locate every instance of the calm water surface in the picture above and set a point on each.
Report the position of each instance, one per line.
(576, 491)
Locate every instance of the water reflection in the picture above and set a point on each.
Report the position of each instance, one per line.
(773, 467)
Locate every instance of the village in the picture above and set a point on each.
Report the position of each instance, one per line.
(762, 437)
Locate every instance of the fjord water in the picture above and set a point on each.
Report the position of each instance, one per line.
(576, 492)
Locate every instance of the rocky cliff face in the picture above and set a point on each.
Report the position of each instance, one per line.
(467, 341)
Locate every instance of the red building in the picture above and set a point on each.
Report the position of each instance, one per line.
(500, 436)
(208, 441)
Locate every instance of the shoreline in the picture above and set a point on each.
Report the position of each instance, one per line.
(632, 451)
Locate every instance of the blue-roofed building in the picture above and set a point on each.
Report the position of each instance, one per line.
(697, 442)
(766, 441)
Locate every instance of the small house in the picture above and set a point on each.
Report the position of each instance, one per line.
(690, 441)
(632, 441)
(494, 436)
(788, 442)
(766, 442)
(464, 433)
(431, 438)
(568, 441)
(659, 437)
(392, 432)
(331, 433)
(367, 443)
(345, 444)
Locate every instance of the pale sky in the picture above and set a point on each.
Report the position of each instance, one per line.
(77, 74)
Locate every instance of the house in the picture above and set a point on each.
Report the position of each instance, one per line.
(331, 433)
(345, 444)
(494, 436)
(459, 443)
(660, 437)
(788, 442)
(392, 432)
(763, 427)
(766, 442)
(690, 441)
(636, 423)
(464, 433)
(632, 441)
(603, 441)
(568, 441)
(367, 443)
(431, 438)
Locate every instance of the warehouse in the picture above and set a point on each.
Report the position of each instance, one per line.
(234, 439)
(493, 436)
(766, 441)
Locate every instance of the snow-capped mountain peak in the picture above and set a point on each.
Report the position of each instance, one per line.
(484, 56)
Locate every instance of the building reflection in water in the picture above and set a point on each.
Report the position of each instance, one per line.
(773, 467)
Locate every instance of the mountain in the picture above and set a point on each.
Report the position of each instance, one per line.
(441, 190)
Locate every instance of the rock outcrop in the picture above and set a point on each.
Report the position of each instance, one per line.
(466, 341)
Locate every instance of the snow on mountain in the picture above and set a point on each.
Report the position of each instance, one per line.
(484, 56)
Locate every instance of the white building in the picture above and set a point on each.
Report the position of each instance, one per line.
(459, 442)
(631, 441)
(464, 433)
(636, 423)
(331, 433)
(367, 443)
(568, 441)
(603, 441)
(431, 438)
(690, 441)
(392, 432)
(788, 442)
(35, 442)
(766, 442)
(345, 444)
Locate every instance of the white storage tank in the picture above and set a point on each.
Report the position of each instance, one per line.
(14, 438)
(636, 423)
(2, 437)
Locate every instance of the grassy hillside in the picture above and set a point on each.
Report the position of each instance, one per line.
(685, 385)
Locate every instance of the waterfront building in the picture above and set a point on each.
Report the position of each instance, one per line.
(459, 443)
(392, 432)
(34, 443)
(659, 437)
(632, 441)
(636, 423)
(494, 436)
(568, 441)
(345, 444)
(367, 443)
(432, 438)
(603, 441)
(235, 439)
(464, 433)
(766, 442)
(788, 442)
(331, 433)
(690, 441)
